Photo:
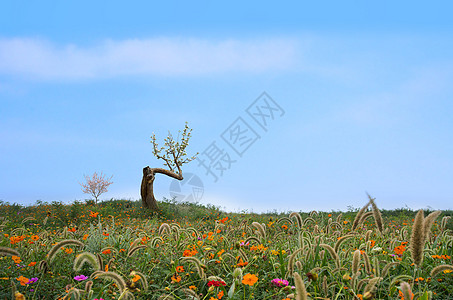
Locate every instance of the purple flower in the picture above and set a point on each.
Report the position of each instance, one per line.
(32, 280)
(80, 277)
(280, 282)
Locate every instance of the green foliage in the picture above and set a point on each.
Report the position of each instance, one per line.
(223, 245)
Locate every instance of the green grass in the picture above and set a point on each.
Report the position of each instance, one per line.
(218, 240)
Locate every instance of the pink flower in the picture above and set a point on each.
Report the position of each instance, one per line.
(279, 282)
(80, 277)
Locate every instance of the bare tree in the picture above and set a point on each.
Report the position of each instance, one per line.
(174, 156)
(96, 185)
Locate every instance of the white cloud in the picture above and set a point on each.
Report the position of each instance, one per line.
(42, 59)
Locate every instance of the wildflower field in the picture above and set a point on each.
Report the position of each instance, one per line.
(117, 250)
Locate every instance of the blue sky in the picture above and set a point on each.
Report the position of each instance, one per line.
(364, 90)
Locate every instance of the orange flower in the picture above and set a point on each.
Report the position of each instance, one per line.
(179, 269)
(32, 264)
(23, 280)
(241, 263)
(73, 229)
(122, 250)
(136, 278)
(16, 259)
(93, 214)
(220, 295)
(329, 215)
(249, 279)
(402, 295)
(85, 236)
(175, 278)
(188, 253)
(105, 234)
(192, 287)
(34, 237)
(68, 250)
(108, 251)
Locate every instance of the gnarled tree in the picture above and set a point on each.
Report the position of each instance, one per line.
(174, 156)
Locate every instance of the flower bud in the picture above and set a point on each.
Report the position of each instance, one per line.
(346, 277)
(19, 296)
(237, 273)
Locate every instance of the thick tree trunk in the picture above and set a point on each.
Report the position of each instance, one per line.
(147, 192)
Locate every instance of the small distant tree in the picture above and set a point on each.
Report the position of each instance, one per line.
(96, 185)
(174, 156)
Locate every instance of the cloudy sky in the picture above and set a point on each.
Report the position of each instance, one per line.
(293, 106)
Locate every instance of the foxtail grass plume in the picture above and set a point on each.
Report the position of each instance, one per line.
(371, 286)
(88, 286)
(260, 228)
(366, 260)
(300, 287)
(406, 290)
(74, 293)
(292, 259)
(444, 222)
(52, 253)
(164, 229)
(440, 268)
(359, 216)
(155, 240)
(100, 261)
(418, 239)
(190, 294)
(365, 216)
(355, 261)
(120, 283)
(4, 251)
(341, 240)
(252, 238)
(388, 266)
(198, 265)
(428, 223)
(86, 257)
(135, 249)
(309, 219)
(377, 215)
(333, 253)
(141, 279)
(298, 218)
